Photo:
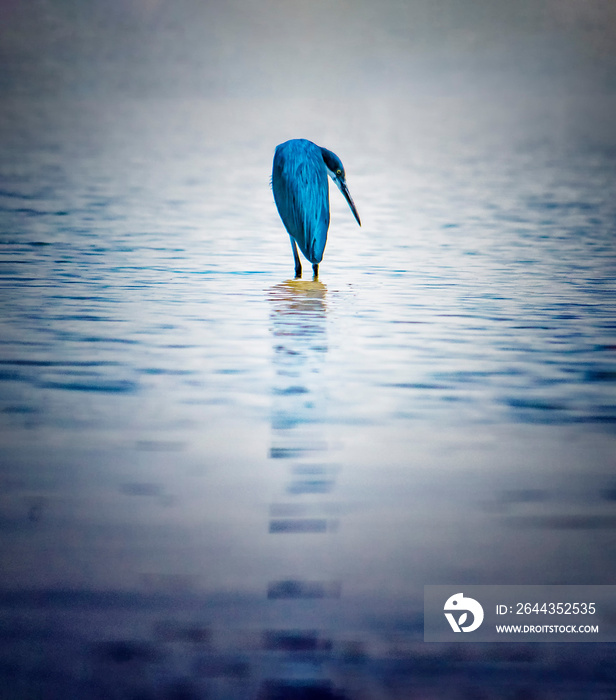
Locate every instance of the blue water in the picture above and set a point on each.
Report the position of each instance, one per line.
(179, 416)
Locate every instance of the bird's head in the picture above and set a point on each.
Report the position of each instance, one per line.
(335, 170)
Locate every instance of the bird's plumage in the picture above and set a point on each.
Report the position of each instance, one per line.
(301, 193)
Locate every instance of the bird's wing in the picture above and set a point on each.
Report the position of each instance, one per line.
(301, 193)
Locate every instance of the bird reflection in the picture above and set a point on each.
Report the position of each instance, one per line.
(300, 344)
(302, 519)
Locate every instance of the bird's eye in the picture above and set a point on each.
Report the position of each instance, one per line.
(338, 172)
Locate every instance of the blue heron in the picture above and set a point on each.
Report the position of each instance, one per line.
(301, 193)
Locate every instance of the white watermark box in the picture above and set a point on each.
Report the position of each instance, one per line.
(459, 613)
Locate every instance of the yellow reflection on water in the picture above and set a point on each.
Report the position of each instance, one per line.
(299, 296)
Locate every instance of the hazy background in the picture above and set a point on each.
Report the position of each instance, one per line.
(327, 50)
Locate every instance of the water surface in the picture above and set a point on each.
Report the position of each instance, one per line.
(180, 417)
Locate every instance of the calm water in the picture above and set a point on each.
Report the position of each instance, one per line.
(178, 416)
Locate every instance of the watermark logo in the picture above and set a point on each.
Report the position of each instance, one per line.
(458, 603)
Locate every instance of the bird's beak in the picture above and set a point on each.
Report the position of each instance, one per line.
(342, 186)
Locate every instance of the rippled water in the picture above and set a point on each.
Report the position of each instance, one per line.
(177, 414)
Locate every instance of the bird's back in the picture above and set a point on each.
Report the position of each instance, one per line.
(301, 193)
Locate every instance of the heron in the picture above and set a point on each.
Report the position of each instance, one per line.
(301, 193)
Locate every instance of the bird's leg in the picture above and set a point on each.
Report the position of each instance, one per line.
(298, 265)
(315, 270)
